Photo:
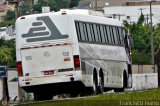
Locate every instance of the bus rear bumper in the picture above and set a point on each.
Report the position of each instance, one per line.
(53, 79)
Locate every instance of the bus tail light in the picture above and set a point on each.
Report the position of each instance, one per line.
(19, 68)
(76, 62)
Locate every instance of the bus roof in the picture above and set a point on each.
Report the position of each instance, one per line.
(98, 17)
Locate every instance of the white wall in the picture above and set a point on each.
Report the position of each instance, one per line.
(1, 87)
(12, 86)
(145, 81)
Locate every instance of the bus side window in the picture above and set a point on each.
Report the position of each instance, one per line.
(102, 34)
(115, 35)
(95, 33)
(118, 36)
(92, 32)
(121, 35)
(108, 34)
(111, 34)
(99, 34)
(82, 31)
(78, 30)
(89, 32)
(105, 34)
(85, 32)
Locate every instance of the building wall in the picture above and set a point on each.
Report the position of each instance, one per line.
(5, 8)
(2, 15)
(2, 1)
(101, 3)
(137, 69)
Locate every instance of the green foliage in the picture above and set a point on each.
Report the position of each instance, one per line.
(74, 3)
(24, 9)
(7, 53)
(141, 36)
(6, 23)
(141, 19)
(140, 57)
(156, 37)
(10, 15)
(54, 5)
(148, 97)
(5, 56)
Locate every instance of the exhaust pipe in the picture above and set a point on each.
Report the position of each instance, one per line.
(72, 79)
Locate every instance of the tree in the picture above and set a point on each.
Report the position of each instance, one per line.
(74, 3)
(5, 56)
(54, 5)
(10, 15)
(141, 19)
(7, 53)
(141, 53)
(6, 23)
(140, 57)
(25, 7)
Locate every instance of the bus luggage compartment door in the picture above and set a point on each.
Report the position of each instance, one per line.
(37, 60)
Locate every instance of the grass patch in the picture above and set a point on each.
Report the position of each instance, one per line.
(150, 97)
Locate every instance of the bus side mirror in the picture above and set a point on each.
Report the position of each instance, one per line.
(131, 41)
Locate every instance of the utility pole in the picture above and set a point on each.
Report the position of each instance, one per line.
(152, 46)
(157, 59)
(4, 75)
(141, 9)
(119, 16)
(95, 5)
(147, 17)
(5, 92)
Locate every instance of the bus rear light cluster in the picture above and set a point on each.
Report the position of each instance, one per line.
(76, 62)
(19, 68)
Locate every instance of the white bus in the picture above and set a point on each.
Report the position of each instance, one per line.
(71, 51)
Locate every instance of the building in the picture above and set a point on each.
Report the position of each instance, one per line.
(4, 7)
(132, 13)
(101, 3)
(2, 11)
(1, 1)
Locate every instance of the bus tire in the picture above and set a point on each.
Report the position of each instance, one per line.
(101, 82)
(42, 96)
(95, 83)
(124, 83)
(37, 96)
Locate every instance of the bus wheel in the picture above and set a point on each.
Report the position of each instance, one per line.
(101, 83)
(38, 96)
(95, 83)
(74, 94)
(124, 83)
(42, 96)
